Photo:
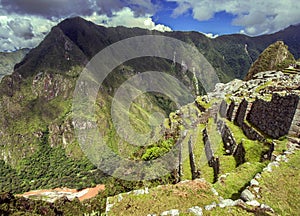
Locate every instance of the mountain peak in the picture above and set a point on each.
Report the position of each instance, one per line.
(55, 53)
(275, 57)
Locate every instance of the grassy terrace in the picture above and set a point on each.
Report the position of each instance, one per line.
(281, 188)
(181, 196)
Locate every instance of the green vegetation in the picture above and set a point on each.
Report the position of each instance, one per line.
(158, 149)
(180, 196)
(280, 189)
(39, 148)
(49, 168)
(280, 145)
(236, 181)
(233, 211)
(263, 86)
(254, 148)
(201, 100)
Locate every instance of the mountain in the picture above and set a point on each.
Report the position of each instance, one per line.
(9, 59)
(39, 149)
(238, 138)
(231, 55)
(275, 57)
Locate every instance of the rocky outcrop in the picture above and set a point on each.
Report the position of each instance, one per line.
(50, 86)
(275, 57)
(61, 134)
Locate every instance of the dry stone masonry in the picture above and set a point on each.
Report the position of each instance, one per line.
(274, 118)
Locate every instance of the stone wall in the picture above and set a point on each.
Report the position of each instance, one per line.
(207, 145)
(223, 109)
(241, 112)
(251, 133)
(239, 154)
(192, 159)
(295, 126)
(267, 155)
(228, 139)
(212, 161)
(274, 118)
(230, 111)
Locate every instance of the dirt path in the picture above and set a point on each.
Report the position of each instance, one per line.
(52, 195)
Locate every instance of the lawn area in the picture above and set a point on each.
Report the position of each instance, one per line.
(180, 196)
(281, 188)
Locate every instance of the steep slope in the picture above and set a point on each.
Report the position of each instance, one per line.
(238, 138)
(275, 57)
(39, 149)
(36, 99)
(37, 124)
(8, 61)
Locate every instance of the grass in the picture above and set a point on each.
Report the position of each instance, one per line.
(198, 150)
(233, 211)
(203, 103)
(231, 186)
(181, 196)
(253, 148)
(281, 188)
(186, 168)
(239, 177)
(263, 86)
(280, 145)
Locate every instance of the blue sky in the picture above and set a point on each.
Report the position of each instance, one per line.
(25, 23)
(220, 24)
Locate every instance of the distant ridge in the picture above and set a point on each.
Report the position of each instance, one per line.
(9, 59)
(84, 39)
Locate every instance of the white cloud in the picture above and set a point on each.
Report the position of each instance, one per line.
(210, 35)
(126, 17)
(17, 31)
(256, 16)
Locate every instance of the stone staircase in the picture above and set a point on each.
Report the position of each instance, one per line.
(295, 126)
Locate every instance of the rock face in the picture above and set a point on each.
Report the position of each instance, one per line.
(275, 57)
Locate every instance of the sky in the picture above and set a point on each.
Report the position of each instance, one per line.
(24, 23)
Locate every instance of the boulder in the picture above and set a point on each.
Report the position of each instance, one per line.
(246, 195)
(196, 210)
(253, 182)
(254, 203)
(210, 207)
(226, 203)
(172, 212)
